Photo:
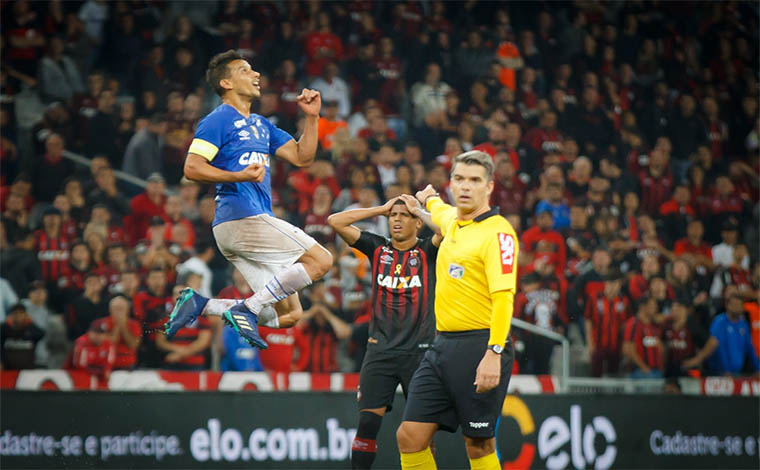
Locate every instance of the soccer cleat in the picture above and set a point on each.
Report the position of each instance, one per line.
(245, 323)
(189, 305)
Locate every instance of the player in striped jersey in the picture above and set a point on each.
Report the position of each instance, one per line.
(402, 324)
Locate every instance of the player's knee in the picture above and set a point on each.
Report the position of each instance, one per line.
(407, 442)
(322, 262)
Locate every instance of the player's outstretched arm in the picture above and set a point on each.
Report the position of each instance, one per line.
(341, 221)
(197, 168)
(302, 153)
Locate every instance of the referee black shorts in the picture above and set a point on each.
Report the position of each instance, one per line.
(442, 389)
(381, 374)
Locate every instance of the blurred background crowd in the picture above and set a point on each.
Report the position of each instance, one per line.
(625, 137)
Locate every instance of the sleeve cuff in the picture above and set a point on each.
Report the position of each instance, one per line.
(203, 148)
(430, 202)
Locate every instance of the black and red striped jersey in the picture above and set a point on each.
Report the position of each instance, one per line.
(646, 339)
(53, 253)
(321, 347)
(679, 343)
(152, 311)
(607, 317)
(186, 336)
(403, 288)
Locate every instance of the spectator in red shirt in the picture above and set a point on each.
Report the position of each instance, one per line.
(322, 330)
(377, 132)
(315, 221)
(286, 85)
(321, 46)
(606, 312)
(390, 70)
(116, 259)
(717, 129)
(145, 206)
(151, 308)
(542, 239)
(656, 182)
(497, 136)
(101, 216)
(52, 246)
(642, 345)
(508, 190)
(69, 225)
(305, 182)
(678, 338)
(174, 217)
(677, 212)
(94, 352)
(126, 333)
(545, 138)
(694, 248)
(638, 284)
(725, 201)
(71, 282)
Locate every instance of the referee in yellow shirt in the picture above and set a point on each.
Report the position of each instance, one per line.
(462, 380)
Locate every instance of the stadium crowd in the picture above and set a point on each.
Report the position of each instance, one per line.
(625, 137)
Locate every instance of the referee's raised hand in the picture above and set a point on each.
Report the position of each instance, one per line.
(488, 372)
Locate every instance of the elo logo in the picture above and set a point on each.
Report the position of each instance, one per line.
(553, 435)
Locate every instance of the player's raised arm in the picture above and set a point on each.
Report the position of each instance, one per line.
(302, 153)
(341, 221)
(197, 168)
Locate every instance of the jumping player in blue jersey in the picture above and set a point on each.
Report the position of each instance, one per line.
(232, 148)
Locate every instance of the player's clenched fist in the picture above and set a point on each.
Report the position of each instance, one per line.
(310, 102)
(254, 173)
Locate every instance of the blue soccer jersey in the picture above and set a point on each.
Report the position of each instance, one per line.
(231, 142)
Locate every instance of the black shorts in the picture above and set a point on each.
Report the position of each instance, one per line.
(380, 375)
(442, 389)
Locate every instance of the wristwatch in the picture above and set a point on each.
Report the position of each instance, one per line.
(495, 348)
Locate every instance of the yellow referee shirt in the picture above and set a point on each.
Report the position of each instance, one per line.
(476, 259)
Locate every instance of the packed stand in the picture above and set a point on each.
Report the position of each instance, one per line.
(625, 139)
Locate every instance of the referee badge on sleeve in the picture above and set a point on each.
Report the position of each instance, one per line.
(456, 271)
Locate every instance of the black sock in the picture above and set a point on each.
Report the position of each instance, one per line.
(364, 447)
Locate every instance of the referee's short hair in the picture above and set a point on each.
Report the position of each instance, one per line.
(475, 157)
(217, 69)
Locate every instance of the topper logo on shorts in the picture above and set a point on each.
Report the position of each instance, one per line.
(478, 425)
(507, 248)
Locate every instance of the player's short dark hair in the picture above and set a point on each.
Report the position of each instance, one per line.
(218, 70)
(400, 202)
